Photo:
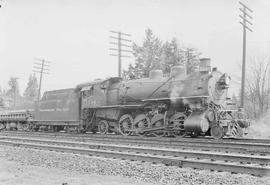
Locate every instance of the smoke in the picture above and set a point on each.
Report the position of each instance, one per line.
(260, 128)
(175, 93)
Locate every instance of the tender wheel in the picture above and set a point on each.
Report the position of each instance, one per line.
(55, 128)
(8, 127)
(2, 126)
(103, 127)
(67, 129)
(217, 131)
(26, 127)
(125, 124)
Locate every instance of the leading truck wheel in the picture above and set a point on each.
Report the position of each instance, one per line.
(217, 132)
(236, 131)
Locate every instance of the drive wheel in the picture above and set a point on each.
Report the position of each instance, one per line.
(140, 122)
(217, 132)
(160, 133)
(156, 122)
(103, 127)
(125, 124)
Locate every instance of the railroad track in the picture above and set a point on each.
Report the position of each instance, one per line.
(114, 136)
(225, 146)
(250, 164)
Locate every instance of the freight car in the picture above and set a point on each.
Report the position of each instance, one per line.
(179, 105)
(57, 110)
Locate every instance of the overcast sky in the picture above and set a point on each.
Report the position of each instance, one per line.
(74, 35)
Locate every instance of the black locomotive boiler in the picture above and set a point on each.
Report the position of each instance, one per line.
(178, 105)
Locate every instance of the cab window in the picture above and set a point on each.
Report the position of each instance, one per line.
(88, 93)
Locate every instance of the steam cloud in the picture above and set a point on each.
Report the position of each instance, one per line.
(175, 93)
(260, 129)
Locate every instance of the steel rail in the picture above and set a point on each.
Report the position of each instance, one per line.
(167, 160)
(177, 139)
(189, 144)
(261, 160)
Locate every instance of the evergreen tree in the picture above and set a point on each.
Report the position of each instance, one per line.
(155, 55)
(191, 59)
(13, 88)
(1, 99)
(31, 90)
(2, 104)
(172, 55)
(147, 57)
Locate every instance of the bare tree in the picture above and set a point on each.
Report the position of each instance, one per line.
(258, 89)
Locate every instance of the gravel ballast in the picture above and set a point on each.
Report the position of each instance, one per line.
(137, 171)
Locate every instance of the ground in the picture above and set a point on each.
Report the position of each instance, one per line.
(14, 173)
(22, 166)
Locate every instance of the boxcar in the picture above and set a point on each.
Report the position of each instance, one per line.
(58, 107)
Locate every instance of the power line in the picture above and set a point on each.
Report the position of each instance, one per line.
(123, 46)
(41, 67)
(254, 42)
(245, 22)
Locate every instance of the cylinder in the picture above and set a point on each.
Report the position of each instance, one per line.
(196, 123)
(210, 115)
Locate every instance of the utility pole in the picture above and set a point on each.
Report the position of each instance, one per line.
(245, 22)
(41, 67)
(123, 45)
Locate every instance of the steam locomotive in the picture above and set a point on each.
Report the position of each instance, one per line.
(178, 105)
